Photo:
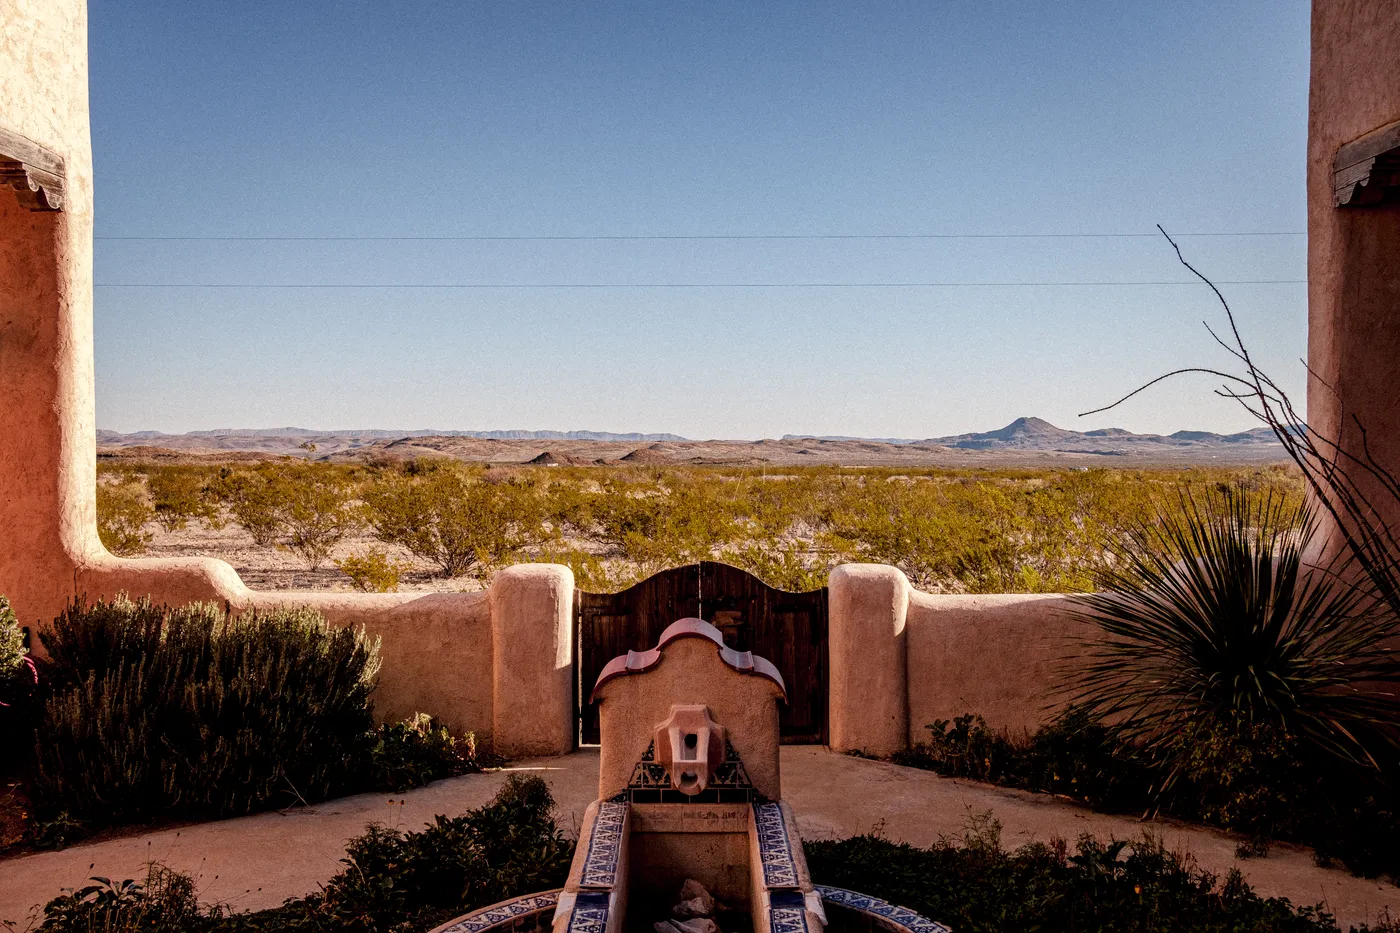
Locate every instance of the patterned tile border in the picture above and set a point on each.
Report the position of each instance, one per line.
(787, 920)
(604, 846)
(774, 849)
(901, 916)
(506, 912)
(590, 913)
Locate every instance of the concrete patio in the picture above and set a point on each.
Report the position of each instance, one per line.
(259, 861)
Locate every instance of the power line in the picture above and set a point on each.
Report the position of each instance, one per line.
(658, 285)
(718, 236)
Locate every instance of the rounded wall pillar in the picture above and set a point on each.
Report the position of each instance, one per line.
(532, 654)
(869, 681)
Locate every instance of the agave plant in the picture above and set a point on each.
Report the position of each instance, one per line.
(1210, 616)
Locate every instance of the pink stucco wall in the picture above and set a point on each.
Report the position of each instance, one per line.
(1353, 253)
(1006, 657)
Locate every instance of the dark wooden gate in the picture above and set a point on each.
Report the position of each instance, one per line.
(788, 629)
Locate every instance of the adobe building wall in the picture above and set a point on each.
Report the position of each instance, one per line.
(1353, 251)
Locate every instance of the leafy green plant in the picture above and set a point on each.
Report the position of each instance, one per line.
(194, 712)
(973, 886)
(163, 902)
(392, 880)
(462, 524)
(372, 570)
(415, 752)
(16, 670)
(317, 509)
(1207, 615)
(123, 511)
(179, 496)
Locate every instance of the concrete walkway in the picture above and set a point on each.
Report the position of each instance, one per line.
(259, 861)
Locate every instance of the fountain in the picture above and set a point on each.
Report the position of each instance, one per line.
(690, 832)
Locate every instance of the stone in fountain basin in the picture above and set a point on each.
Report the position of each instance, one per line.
(689, 789)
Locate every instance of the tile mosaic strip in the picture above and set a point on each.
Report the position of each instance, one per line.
(504, 913)
(787, 920)
(604, 846)
(901, 916)
(590, 913)
(774, 849)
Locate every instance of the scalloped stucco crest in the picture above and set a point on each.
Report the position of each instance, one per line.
(639, 662)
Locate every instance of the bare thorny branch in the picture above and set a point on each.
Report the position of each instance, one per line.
(1336, 476)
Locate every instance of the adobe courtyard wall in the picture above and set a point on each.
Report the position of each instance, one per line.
(900, 659)
(1005, 657)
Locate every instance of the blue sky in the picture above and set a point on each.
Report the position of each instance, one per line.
(475, 119)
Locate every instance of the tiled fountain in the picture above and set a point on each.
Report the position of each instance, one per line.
(690, 797)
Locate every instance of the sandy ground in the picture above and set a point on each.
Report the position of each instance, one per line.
(258, 861)
(277, 568)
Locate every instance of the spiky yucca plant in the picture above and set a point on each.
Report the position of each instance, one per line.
(1210, 618)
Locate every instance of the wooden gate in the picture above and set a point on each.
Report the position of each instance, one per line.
(788, 629)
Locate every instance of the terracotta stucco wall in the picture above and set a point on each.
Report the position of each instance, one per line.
(1353, 253)
(1005, 657)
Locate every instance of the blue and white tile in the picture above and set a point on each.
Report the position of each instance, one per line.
(499, 914)
(774, 847)
(604, 846)
(903, 916)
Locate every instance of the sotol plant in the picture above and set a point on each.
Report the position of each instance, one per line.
(1209, 618)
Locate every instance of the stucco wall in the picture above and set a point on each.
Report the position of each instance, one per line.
(1005, 657)
(1354, 252)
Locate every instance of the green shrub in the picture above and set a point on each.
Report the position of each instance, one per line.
(976, 887)
(1241, 776)
(197, 713)
(460, 523)
(1074, 756)
(372, 571)
(318, 510)
(392, 881)
(1208, 616)
(15, 667)
(18, 680)
(123, 511)
(179, 496)
(415, 752)
(254, 499)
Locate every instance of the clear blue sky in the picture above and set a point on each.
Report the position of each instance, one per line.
(476, 119)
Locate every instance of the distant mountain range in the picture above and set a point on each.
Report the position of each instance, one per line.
(1039, 434)
(1024, 440)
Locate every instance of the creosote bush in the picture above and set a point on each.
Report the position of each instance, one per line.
(985, 530)
(372, 570)
(455, 517)
(123, 511)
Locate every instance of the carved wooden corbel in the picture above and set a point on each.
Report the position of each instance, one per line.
(36, 174)
(1366, 171)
